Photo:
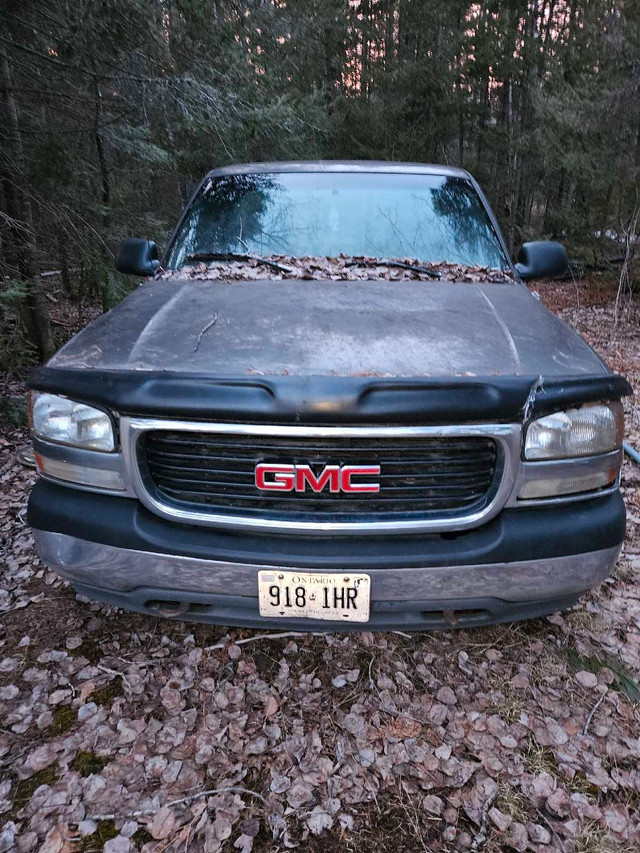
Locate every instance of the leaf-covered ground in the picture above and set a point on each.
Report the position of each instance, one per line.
(122, 732)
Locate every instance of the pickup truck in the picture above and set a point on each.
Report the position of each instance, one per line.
(333, 403)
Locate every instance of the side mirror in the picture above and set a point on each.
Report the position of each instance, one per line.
(542, 259)
(137, 257)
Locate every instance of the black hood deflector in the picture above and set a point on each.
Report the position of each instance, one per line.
(327, 399)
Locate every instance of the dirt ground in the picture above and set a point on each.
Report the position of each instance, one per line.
(122, 732)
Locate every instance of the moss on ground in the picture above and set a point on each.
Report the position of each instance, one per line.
(105, 832)
(87, 763)
(141, 836)
(25, 788)
(90, 650)
(105, 695)
(64, 718)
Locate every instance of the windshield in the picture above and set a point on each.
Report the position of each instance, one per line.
(325, 214)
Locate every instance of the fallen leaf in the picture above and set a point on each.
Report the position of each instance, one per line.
(319, 821)
(244, 843)
(298, 794)
(162, 824)
(499, 819)
(586, 679)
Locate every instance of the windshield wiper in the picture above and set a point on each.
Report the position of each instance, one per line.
(237, 256)
(382, 262)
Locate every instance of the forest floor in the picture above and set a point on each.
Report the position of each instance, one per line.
(122, 732)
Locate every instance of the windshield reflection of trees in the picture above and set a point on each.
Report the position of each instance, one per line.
(225, 217)
(244, 213)
(458, 203)
(262, 214)
(232, 210)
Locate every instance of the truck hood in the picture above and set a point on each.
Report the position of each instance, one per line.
(336, 328)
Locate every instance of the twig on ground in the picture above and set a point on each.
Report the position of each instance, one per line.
(393, 712)
(625, 283)
(553, 832)
(113, 672)
(593, 711)
(140, 662)
(481, 835)
(236, 789)
(372, 685)
(264, 637)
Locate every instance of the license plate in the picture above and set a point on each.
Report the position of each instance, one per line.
(313, 595)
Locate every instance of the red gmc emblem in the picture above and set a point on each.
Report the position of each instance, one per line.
(297, 478)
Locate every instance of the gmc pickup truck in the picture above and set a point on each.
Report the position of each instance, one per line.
(332, 404)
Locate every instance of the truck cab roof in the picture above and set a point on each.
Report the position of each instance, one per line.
(390, 167)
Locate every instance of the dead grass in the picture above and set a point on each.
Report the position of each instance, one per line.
(593, 839)
(539, 759)
(513, 802)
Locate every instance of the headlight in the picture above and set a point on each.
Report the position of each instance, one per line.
(587, 431)
(64, 421)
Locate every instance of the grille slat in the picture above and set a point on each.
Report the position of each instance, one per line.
(195, 473)
(205, 463)
(420, 477)
(206, 486)
(379, 445)
(309, 454)
(364, 501)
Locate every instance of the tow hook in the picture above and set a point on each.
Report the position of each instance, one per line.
(171, 609)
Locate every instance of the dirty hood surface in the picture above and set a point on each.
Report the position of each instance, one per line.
(343, 328)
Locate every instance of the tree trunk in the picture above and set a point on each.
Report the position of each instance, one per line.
(460, 87)
(105, 179)
(63, 259)
(364, 76)
(389, 34)
(102, 161)
(34, 312)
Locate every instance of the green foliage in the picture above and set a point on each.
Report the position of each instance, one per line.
(13, 412)
(624, 680)
(115, 286)
(124, 104)
(135, 142)
(13, 293)
(15, 350)
(51, 164)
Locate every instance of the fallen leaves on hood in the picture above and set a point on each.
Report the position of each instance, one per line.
(341, 268)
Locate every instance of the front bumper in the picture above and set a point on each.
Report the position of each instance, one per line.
(523, 563)
(225, 593)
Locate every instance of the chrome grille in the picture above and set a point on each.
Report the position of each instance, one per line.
(421, 476)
